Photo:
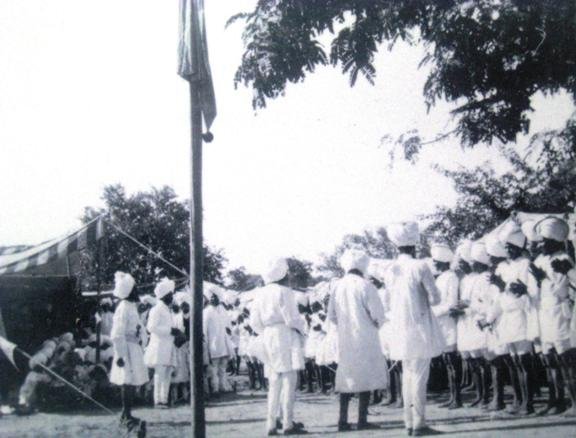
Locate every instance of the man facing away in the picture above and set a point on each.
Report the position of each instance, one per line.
(275, 316)
(356, 310)
(419, 337)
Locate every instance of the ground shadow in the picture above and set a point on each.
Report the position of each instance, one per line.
(236, 421)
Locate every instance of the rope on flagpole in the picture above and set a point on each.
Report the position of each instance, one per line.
(66, 382)
(154, 253)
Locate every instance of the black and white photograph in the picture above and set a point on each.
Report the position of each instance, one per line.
(252, 218)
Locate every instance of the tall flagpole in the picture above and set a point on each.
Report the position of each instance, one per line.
(196, 268)
(194, 67)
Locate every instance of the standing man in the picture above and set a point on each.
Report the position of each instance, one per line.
(128, 370)
(161, 351)
(448, 283)
(418, 334)
(556, 276)
(356, 310)
(275, 315)
(215, 322)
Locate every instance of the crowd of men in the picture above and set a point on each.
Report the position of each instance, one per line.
(500, 308)
(495, 311)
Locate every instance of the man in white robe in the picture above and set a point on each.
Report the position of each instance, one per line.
(128, 369)
(556, 277)
(448, 283)
(356, 310)
(275, 316)
(161, 351)
(419, 337)
(215, 322)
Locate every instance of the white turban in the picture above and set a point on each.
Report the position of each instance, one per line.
(276, 270)
(495, 248)
(441, 253)
(529, 230)
(404, 233)
(354, 259)
(183, 297)
(123, 285)
(553, 228)
(511, 233)
(463, 250)
(163, 288)
(479, 253)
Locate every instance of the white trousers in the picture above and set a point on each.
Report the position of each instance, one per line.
(218, 376)
(281, 395)
(162, 377)
(415, 373)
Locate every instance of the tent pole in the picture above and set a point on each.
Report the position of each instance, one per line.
(196, 268)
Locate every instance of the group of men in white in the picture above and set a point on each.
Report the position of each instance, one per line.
(500, 303)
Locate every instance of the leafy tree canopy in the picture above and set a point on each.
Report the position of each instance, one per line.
(486, 57)
(542, 182)
(157, 219)
(240, 280)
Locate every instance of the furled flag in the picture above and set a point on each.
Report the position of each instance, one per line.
(7, 348)
(193, 64)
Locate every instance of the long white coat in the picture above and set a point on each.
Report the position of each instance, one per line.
(356, 310)
(447, 284)
(215, 321)
(125, 334)
(412, 293)
(161, 350)
(275, 316)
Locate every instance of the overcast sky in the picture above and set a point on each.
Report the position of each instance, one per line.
(89, 96)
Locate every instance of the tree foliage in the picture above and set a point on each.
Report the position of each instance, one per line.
(155, 218)
(542, 182)
(486, 57)
(375, 243)
(300, 273)
(240, 280)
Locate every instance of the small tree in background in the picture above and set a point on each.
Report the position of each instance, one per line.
(240, 280)
(157, 219)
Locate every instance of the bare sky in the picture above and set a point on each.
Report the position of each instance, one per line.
(89, 96)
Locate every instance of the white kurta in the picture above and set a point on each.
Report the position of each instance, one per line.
(447, 284)
(554, 305)
(316, 334)
(464, 321)
(386, 331)
(215, 322)
(275, 316)
(328, 348)
(182, 372)
(481, 298)
(513, 324)
(356, 310)
(412, 293)
(125, 334)
(161, 350)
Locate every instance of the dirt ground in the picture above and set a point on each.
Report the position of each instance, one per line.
(242, 415)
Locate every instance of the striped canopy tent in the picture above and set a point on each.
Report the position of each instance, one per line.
(19, 259)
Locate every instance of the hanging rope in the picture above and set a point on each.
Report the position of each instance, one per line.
(149, 250)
